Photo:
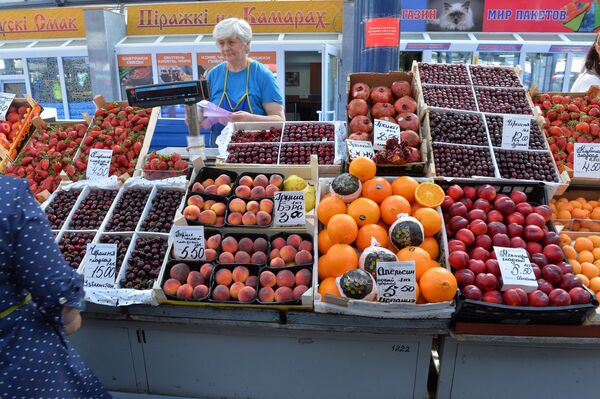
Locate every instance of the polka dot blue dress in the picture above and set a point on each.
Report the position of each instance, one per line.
(36, 360)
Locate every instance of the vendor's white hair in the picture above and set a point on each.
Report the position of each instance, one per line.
(233, 27)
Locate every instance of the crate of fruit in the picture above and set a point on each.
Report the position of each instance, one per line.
(577, 212)
(481, 217)
(16, 129)
(163, 166)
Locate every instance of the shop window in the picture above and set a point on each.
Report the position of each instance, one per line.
(45, 83)
(547, 71)
(79, 86)
(17, 88)
(11, 66)
(450, 57)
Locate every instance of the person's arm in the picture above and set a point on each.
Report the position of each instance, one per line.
(274, 112)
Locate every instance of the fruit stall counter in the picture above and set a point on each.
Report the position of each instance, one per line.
(255, 353)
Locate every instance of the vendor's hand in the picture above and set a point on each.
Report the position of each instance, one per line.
(241, 116)
(71, 320)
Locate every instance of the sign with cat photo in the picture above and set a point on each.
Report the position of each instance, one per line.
(459, 16)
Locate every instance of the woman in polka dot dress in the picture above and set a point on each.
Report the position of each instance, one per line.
(40, 299)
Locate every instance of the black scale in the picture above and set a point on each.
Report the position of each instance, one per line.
(188, 93)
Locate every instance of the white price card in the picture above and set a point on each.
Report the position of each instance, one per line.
(516, 269)
(98, 166)
(586, 161)
(396, 282)
(188, 242)
(100, 266)
(516, 130)
(5, 100)
(382, 131)
(289, 208)
(360, 148)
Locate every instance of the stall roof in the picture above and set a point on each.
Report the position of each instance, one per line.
(448, 36)
(581, 37)
(495, 36)
(134, 41)
(179, 39)
(540, 37)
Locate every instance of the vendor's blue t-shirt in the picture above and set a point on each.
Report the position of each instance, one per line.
(262, 86)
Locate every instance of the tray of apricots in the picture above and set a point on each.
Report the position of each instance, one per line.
(578, 212)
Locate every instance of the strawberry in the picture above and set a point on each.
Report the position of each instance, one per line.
(80, 165)
(137, 148)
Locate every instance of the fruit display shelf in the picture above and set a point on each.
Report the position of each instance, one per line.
(19, 115)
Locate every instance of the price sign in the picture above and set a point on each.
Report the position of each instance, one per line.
(98, 164)
(382, 131)
(586, 162)
(516, 269)
(515, 132)
(5, 100)
(396, 282)
(188, 242)
(100, 266)
(289, 208)
(360, 148)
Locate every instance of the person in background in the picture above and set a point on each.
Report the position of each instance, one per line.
(40, 300)
(591, 72)
(240, 84)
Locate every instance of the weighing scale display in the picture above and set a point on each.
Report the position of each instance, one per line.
(189, 92)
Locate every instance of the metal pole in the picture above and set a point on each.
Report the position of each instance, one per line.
(191, 120)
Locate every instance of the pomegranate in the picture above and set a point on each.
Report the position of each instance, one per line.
(361, 124)
(414, 155)
(361, 91)
(390, 119)
(408, 121)
(379, 110)
(381, 94)
(357, 107)
(410, 137)
(405, 104)
(401, 88)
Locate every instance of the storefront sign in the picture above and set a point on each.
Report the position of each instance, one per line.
(134, 70)
(264, 16)
(586, 162)
(568, 49)
(516, 269)
(188, 242)
(174, 67)
(98, 164)
(427, 46)
(360, 148)
(515, 132)
(382, 32)
(289, 209)
(208, 60)
(100, 266)
(500, 47)
(5, 100)
(396, 282)
(45, 23)
(382, 131)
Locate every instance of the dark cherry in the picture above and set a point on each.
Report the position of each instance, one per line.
(92, 210)
(526, 165)
(495, 122)
(161, 215)
(502, 101)
(458, 128)
(446, 74)
(73, 247)
(494, 76)
(60, 207)
(128, 210)
(122, 245)
(144, 263)
(454, 97)
(460, 161)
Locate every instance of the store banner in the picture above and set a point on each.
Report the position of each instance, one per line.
(45, 23)
(208, 60)
(134, 70)
(174, 67)
(264, 16)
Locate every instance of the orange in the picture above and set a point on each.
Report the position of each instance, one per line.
(596, 253)
(576, 266)
(323, 266)
(342, 229)
(377, 189)
(324, 242)
(435, 263)
(564, 215)
(364, 211)
(579, 213)
(417, 291)
(432, 247)
(565, 239)
(583, 244)
(328, 207)
(597, 263)
(595, 284)
(369, 231)
(363, 168)
(438, 284)
(595, 240)
(598, 296)
(328, 286)
(429, 194)
(585, 256)
(414, 207)
(570, 252)
(576, 204)
(589, 270)
(584, 279)
(430, 219)
(595, 214)
(419, 256)
(406, 187)
(340, 259)
(392, 206)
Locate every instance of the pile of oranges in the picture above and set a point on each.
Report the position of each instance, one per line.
(584, 256)
(576, 215)
(347, 230)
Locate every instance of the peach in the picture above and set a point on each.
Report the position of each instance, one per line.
(249, 219)
(243, 191)
(195, 278)
(247, 294)
(288, 253)
(196, 200)
(266, 205)
(197, 188)
(223, 190)
(260, 181)
(212, 189)
(213, 242)
(226, 258)
(229, 244)
(207, 217)
(191, 212)
(294, 240)
(234, 218)
(241, 257)
(284, 294)
(220, 293)
(271, 190)
(237, 205)
(240, 273)
(224, 276)
(263, 218)
(258, 192)
(266, 294)
(185, 291)
(252, 206)
(246, 245)
(274, 254)
(200, 291)
(180, 272)
(206, 270)
(303, 277)
(252, 281)
(208, 182)
(259, 258)
(267, 279)
(210, 254)
(220, 221)
(208, 204)
(285, 278)
(305, 246)
(260, 244)
(246, 181)
(278, 243)
(219, 208)
(223, 179)
(276, 180)
(277, 262)
(299, 291)
(235, 288)
(171, 286)
(303, 257)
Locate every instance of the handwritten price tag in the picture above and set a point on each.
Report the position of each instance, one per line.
(396, 282)
(189, 242)
(100, 266)
(98, 164)
(515, 132)
(360, 148)
(382, 131)
(5, 100)
(289, 208)
(586, 162)
(516, 269)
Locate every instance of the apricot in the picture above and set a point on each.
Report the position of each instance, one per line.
(276, 180)
(198, 188)
(249, 219)
(277, 262)
(185, 291)
(208, 182)
(213, 242)
(284, 294)
(234, 218)
(260, 180)
(223, 276)
(196, 200)
(278, 243)
(246, 181)
(252, 206)
(294, 240)
(200, 291)
(220, 293)
(267, 279)
(285, 278)
(240, 273)
(252, 281)
(303, 257)
(258, 258)
(263, 218)
(226, 258)
(223, 190)
(208, 217)
(266, 294)
(271, 190)
(219, 208)
(266, 205)
(299, 291)
(247, 294)
(223, 179)
(195, 278)
(274, 254)
(208, 204)
(242, 257)
(288, 253)
(210, 254)
(212, 189)
(243, 191)
(170, 286)
(235, 288)
(206, 270)
(260, 244)
(191, 212)
(180, 272)
(258, 192)
(303, 277)
(229, 244)
(305, 246)
(237, 205)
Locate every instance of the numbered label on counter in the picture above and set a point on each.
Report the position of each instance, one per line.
(188, 242)
(289, 208)
(100, 266)
(586, 161)
(5, 100)
(360, 148)
(516, 269)
(98, 166)
(515, 132)
(396, 282)
(382, 131)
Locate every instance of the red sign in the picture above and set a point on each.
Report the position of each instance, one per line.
(382, 32)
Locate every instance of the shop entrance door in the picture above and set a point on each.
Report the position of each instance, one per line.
(330, 78)
(303, 85)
